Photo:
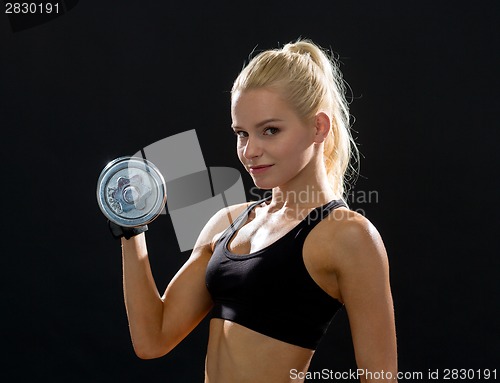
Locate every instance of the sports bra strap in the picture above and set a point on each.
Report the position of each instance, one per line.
(241, 219)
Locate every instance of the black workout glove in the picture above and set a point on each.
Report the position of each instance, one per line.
(127, 232)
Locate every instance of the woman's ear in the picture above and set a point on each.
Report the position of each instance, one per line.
(322, 125)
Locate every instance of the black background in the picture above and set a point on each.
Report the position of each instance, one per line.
(104, 80)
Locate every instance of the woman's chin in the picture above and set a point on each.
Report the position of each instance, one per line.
(263, 185)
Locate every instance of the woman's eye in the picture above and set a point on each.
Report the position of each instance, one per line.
(240, 133)
(270, 131)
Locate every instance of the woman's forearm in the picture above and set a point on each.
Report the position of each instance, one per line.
(142, 300)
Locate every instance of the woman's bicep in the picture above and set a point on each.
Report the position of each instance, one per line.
(186, 301)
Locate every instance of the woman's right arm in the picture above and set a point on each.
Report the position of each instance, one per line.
(158, 323)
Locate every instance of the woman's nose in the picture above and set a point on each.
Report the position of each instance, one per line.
(252, 149)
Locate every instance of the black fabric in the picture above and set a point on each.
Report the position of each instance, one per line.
(270, 291)
(128, 232)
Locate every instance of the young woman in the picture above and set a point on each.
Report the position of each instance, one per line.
(276, 277)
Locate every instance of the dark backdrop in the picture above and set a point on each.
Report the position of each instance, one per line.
(105, 80)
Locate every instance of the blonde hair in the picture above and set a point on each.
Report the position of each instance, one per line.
(310, 81)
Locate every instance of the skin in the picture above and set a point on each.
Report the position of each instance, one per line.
(344, 254)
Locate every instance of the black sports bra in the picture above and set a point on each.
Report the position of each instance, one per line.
(270, 291)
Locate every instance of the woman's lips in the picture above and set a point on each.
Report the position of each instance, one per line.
(259, 169)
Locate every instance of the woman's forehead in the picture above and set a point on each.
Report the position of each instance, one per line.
(251, 108)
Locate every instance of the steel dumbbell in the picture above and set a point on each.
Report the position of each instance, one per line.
(131, 191)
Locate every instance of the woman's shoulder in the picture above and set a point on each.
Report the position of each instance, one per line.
(343, 244)
(348, 225)
(345, 236)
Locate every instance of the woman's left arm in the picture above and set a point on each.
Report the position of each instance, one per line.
(362, 271)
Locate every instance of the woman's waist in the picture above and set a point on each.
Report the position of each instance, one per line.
(236, 353)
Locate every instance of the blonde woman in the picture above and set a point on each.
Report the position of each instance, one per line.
(275, 278)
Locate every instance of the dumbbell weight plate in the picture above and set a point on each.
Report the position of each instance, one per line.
(131, 191)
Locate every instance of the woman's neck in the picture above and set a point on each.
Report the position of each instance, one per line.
(309, 195)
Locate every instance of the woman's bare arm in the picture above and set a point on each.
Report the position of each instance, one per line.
(159, 322)
(362, 271)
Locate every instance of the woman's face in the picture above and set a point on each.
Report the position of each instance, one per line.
(274, 144)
